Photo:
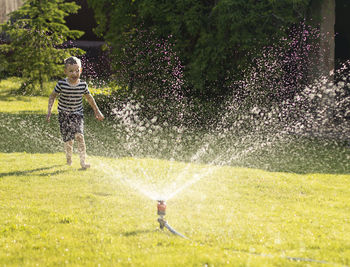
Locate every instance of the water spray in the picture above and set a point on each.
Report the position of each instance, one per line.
(161, 211)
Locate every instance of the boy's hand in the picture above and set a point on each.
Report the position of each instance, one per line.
(48, 116)
(96, 110)
(99, 115)
(49, 107)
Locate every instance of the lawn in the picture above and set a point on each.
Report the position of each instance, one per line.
(57, 215)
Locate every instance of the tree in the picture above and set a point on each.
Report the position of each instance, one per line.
(36, 33)
(214, 39)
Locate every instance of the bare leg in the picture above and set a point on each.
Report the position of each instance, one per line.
(68, 148)
(82, 150)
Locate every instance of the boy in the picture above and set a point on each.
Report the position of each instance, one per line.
(70, 109)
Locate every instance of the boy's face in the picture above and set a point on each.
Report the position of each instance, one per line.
(73, 72)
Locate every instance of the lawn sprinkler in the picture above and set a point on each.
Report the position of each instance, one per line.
(161, 211)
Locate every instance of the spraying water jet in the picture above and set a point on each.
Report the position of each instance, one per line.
(161, 211)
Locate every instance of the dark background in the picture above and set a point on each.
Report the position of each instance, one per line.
(342, 30)
(85, 21)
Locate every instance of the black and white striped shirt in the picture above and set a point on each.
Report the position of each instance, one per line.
(71, 96)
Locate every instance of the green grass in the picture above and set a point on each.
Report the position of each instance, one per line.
(52, 214)
(14, 104)
(55, 215)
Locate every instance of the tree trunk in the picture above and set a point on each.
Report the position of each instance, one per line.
(7, 6)
(327, 45)
(323, 12)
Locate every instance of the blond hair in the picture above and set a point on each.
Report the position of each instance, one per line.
(72, 61)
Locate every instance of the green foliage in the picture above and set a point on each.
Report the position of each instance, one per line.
(148, 66)
(36, 34)
(214, 39)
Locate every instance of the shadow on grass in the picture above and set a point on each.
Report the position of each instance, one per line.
(31, 133)
(14, 98)
(30, 172)
(138, 232)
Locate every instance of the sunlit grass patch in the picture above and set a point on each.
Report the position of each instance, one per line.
(100, 91)
(10, 84)
(23, 104)
(12, 102)
(53, 214)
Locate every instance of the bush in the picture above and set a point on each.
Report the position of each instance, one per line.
(36, 33)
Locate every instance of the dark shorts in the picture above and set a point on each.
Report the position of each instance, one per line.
(70, 124)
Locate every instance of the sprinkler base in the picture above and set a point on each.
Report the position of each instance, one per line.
(162, 222)
(161, 208)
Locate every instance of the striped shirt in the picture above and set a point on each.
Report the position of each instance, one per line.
(71, 96)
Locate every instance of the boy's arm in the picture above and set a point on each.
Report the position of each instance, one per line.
(94, 106)
(52, 98)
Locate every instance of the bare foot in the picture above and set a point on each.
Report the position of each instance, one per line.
(85, 166)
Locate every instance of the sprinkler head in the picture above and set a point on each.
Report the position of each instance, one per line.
(161, 207)
(162, 223)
